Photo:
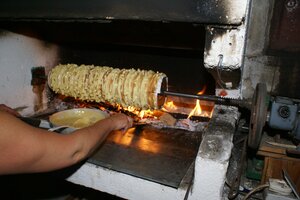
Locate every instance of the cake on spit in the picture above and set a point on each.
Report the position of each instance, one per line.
(126, 87)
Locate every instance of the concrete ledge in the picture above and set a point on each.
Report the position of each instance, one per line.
(214, 153)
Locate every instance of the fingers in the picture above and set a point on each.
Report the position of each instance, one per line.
(122, 122)
(130, 121)
(129, 124)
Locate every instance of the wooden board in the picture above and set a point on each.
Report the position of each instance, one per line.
(273, 169)
(275, 160)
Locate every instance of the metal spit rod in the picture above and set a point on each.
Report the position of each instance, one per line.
(216, 99)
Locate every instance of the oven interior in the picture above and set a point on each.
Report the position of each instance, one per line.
(173, 48)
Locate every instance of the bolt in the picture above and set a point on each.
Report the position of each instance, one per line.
(291, 4)
(284, 111)
(221, 111)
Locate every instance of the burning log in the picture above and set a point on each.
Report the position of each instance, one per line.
(168, 119)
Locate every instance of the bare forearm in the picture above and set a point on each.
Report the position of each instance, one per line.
(35, 150)
(66, 150)
(91, 138)
(84, 141)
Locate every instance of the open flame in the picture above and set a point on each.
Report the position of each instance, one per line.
(140, 113)
(169, 105)
(197, 111)
(187, 108)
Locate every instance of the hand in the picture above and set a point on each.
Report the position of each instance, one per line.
(9, 110)
(121, 121)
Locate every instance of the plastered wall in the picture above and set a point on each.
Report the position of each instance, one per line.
(18, 54)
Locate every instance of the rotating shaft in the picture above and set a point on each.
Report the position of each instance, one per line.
(216, 99)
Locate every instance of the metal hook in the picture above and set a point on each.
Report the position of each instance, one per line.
(220, 61)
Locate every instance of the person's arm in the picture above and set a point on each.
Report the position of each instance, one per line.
(9, 110)
(26, 149)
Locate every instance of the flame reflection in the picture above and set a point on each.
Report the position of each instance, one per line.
(131, 139)
(124, 139)
(147, 145)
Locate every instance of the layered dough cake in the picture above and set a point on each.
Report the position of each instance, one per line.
(126, 87)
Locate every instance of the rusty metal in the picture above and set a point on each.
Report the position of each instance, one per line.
(258, 115)
(235, 184)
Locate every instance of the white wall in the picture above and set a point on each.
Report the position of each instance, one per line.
(18, 54)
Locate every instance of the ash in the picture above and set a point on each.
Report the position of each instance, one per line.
(184, 124)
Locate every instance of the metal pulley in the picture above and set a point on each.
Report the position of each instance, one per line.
(258, 118)
(283, 114)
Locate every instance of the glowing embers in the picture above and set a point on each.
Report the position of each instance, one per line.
(140, 113)
(174, 113)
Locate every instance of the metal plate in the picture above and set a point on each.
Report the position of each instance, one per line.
(158, 155)
(201, 11)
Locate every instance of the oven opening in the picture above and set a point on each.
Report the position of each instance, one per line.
(175, 49)
(166, 142)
